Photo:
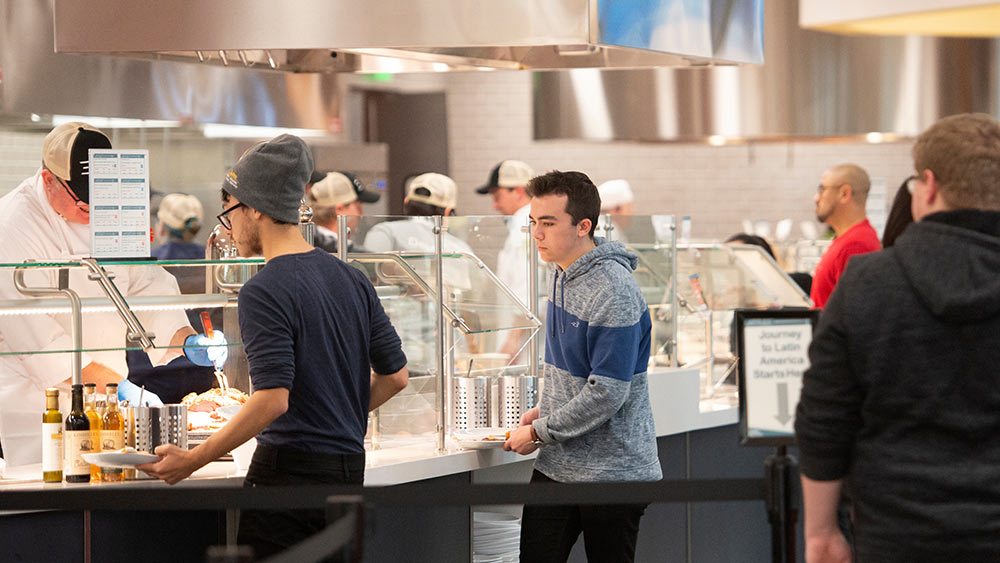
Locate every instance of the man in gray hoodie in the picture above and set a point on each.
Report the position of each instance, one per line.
(593, 422)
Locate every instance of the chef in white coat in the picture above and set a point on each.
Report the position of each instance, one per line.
(46, 219)
(507, 186)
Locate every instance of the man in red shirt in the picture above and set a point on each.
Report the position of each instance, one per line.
(840, 203)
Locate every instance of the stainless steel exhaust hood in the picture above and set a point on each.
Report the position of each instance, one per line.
(813, 85)
(420, 35)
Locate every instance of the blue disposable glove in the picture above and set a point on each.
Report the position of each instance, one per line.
(205, 351)
(128, 391)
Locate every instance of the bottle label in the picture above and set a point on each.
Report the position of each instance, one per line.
(52, 446)
(112, 440)
(76, 442)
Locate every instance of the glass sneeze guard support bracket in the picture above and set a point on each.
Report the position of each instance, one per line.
(136, 332)
(76, 329)
(439, 300)
(395, 257)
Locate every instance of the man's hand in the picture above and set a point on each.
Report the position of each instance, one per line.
(832, 548)
(529, 416)
(521, 441)
(175, 464)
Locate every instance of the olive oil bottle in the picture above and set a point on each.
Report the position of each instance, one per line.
(52, 438)
(90, 409)
(112, 432)
(76, 440)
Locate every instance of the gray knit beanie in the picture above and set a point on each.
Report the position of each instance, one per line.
(271, 177)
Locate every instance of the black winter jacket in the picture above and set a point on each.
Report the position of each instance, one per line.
(902, 397)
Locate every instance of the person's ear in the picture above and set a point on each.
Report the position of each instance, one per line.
(847, 195)
(583, 227)
(933, 191)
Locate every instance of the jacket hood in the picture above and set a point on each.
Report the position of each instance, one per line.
(952, 261)
(605, 251)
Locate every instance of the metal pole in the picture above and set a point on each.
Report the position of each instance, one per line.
(533, 300)
(76, 309)
(675, 305)
(780, 513)
(439, 340)
(342, 237)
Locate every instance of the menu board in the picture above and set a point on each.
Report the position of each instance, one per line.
(773, 354)
(119, 203)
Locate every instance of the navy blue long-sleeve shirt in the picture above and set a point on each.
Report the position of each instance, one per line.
(314, 325)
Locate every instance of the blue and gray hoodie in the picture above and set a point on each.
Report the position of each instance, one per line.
(595, 420)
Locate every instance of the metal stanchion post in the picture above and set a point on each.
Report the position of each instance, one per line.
(780, 512)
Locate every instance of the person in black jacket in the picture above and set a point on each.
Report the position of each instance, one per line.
(901, 403)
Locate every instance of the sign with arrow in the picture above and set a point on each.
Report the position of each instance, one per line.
(774, 353)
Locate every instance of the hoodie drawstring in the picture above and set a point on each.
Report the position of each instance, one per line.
(554, 278)
(562, 297)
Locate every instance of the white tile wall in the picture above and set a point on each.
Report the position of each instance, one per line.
(20, 157)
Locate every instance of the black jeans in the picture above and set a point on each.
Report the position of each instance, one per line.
(549, 532)
(273, 531)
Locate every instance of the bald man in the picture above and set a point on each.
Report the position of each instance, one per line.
(840, 203)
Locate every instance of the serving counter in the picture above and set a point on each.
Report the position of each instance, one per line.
(456, 319)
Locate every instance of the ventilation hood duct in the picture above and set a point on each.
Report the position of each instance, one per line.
(813, 85)
(420, 35)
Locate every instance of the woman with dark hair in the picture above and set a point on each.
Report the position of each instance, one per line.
(743, 238)
(900, 214)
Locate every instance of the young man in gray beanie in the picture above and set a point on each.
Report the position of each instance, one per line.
(321, 350)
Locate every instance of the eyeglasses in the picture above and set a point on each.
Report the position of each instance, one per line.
(224, 220)
(821, 188)
(911, 183)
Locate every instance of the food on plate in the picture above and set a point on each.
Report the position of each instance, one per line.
(202, 415)
(492, 438)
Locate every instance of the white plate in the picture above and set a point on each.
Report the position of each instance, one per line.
(474, 439)
(480, 444)
(120, 459)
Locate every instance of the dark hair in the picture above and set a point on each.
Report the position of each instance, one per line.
(583, 200)
(755, 240)
(225, 199)
(900, 216)
(421, 209)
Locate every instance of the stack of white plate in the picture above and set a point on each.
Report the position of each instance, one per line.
(496, 537)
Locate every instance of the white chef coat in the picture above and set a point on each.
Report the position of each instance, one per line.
(512, 260)
(416, 234)
(31, 230)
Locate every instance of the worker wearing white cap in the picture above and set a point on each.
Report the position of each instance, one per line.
(617, 199)
(427, 195)
(179, 217)
(338, 193)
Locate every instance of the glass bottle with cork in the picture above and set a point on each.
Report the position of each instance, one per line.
(112, 432)
(90, 409)
(76, 440)
(52, 438)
